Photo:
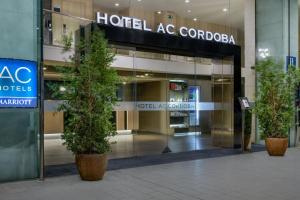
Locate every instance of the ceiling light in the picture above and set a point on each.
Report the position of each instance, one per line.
(263, 52)
(139, 0)
(159, 12)
(195, 19)
(225, 9)
(117, 4)
(189, 11)
(187, 1)
(44, 68)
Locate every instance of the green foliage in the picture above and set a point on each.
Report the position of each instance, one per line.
(67, 42)
(89, 98)
(274, 105)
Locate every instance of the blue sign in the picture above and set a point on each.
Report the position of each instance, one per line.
(290, 60)
(18, 83)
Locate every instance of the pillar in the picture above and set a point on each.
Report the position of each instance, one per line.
(19, 127)
(277, 33)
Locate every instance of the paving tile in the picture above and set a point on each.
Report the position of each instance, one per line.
(240, 177)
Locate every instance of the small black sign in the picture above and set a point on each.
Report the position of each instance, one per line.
(244, 103)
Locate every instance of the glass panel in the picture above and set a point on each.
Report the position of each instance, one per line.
(205, 103)
(124, 114)
(183, 94)
(222, 95)
(19, 144)
(55, 152)
(151, 94)
(47, 23)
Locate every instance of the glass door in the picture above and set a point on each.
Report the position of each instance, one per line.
(124, 115)
(204, 103)
(222, 95)
(183, 94)
(150, 135)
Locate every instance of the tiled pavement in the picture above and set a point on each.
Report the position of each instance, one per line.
(240, 177)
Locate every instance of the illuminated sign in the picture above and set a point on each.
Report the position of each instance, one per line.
(138, 24)
(18, 83)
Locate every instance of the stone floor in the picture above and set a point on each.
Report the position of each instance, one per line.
(240, 177)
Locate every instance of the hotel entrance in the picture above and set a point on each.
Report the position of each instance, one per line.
(170, 103)
(180, 79)
(166, 104)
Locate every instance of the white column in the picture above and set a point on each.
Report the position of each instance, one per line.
(249, 27)
(249, 74)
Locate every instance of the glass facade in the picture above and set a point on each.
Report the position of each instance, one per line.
(19, 128)
(167, 102)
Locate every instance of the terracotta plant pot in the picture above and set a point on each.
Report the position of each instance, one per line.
(91, 167)
(276, 146)
(246, 141)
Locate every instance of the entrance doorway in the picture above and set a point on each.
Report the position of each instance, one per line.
(166, 104)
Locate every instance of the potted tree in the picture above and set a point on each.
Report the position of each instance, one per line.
(90, 95)
(275, 103)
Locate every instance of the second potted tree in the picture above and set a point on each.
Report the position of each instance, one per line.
(275, 103)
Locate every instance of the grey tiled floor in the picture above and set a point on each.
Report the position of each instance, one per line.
(241, 177)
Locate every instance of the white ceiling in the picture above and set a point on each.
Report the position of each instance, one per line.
(203, 10)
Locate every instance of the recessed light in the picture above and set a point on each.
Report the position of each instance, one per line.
(195, 19)
(117, 4)
(159, 12)
(139, 0)
(187, 1)
(225, 9)
(189, 11)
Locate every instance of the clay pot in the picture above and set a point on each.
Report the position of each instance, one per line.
(91, 167)
(276, 146)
